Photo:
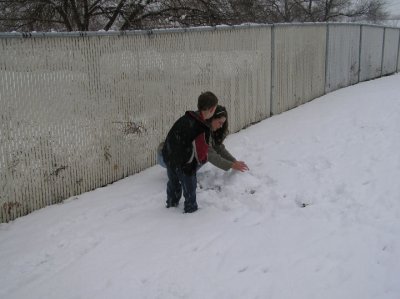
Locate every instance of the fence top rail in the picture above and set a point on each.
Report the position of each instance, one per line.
(150, 32)
(129, 32)
(361, 24)
(331, 24)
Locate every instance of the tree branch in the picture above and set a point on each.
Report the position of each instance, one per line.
(115, 15)
(75, 14)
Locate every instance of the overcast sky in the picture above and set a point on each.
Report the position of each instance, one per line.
(393, 6)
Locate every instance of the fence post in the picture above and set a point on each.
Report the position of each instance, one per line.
(359, 53)
(383, 50)
(326, 56)
(272, 69)
(398, 53)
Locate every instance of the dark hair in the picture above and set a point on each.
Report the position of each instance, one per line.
(220, 134)
(206, 101)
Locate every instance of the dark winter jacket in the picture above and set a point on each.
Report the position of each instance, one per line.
(186, 144)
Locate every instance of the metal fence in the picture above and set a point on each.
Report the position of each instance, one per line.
(82, 110)
(343, 51)
(299, 65)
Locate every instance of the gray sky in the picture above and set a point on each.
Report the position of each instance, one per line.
(393, 6)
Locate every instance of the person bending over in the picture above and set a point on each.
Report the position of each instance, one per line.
(218, 155)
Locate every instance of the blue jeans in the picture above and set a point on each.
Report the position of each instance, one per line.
(178, 181)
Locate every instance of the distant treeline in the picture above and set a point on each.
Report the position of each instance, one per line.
(94, 15)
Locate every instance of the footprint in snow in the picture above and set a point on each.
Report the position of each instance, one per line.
(302, 204)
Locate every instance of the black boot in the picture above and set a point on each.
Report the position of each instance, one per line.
(171, 203)
(190, 208)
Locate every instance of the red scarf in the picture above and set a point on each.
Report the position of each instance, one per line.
(201, 146)
(201, 149)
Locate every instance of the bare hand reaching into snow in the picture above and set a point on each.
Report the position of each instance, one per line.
(240, 165)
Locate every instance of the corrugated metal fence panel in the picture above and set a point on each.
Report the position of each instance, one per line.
(81, 112)
(390, 51)
(299, 65)
(44, 125)
(241, 68)
(343, 56)
(398, 59)
(371, 52)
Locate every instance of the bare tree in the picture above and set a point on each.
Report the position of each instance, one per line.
(230, 12)
(320, 10)
(247, 11)
(58, 14)
(84, 15)
(337, 10)
(373, 11)
(195, 12)
(73, 15)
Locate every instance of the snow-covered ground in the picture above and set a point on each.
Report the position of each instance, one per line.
(317, 216)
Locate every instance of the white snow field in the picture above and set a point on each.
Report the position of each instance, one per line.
(317, 216)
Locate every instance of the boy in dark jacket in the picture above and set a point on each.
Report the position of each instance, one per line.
(185, 148)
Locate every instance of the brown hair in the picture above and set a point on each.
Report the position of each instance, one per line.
(206, 101)
(220, 134)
